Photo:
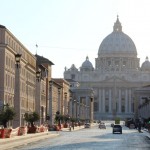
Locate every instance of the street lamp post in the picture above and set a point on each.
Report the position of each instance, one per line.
(38, 94)
(65, 104)
(17, 101)
(91, 109)
(51, 120)
(59, 101)
(38, 75)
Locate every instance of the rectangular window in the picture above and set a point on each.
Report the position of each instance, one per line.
(72, 76)
(96, 106)
(106, 108)
(122, 108)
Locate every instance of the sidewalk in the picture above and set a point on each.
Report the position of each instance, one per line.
(8, 143)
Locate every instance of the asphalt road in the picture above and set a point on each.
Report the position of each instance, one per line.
(93, 139)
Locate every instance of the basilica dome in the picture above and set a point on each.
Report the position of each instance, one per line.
(146, 65)
(117, 44)
(87, 65)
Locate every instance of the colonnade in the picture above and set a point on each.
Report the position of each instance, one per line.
(115, 99)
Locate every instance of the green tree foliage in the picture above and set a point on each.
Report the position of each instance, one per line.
(31, 117)
(117, 120)
(6, 115)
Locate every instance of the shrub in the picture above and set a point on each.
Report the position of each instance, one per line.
(117, 120)
(31, 117)
(6, 115)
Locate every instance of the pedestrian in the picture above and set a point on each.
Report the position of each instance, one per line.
(73, 125)
(69, 128)
(79, 124)
(139, 126)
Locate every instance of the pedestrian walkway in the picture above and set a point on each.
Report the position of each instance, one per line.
(16, 141)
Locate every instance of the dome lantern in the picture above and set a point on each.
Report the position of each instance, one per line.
(117, 25)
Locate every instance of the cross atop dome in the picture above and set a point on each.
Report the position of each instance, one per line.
(117, 25)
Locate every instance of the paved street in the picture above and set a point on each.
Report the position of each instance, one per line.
(93, 139)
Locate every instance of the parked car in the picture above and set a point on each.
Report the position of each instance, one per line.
(117, 128)
(87, 125)
(102, 126)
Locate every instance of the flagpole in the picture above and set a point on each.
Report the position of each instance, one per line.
(36, 48)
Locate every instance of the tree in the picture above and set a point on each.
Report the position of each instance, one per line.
(58, 117)
(31, 118)
(6, 115)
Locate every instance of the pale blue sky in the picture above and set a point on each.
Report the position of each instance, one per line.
(66, 31)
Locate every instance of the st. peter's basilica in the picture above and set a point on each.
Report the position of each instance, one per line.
(116, 75)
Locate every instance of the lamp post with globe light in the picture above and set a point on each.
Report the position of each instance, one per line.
(17, 100)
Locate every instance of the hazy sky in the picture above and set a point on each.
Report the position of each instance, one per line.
(66, 31)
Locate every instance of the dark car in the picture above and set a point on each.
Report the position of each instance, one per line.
(87, 125)
(117, 128)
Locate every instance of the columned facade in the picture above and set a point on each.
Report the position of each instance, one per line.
(116, 74)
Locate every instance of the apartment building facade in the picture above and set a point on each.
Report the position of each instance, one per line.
(22, 75)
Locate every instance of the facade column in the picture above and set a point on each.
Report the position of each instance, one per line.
(126, 100)
(100, 101)
(130, 101)
(119, 101)
(114, 98)
(87, 108)
(110, 101)
(103, 104)
(74, 108)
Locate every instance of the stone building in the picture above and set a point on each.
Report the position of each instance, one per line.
(25, 82)
(59, 97)
(17, 76)
(44, 71)
(116, 74)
